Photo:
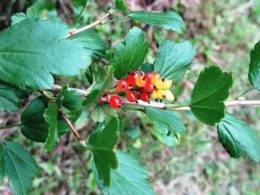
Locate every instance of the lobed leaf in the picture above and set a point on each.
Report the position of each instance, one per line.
(130, 55)
(34, 126)
(170, 140)
(129, 177)
(238, 138)
(103, 112)
(122, 6)
(33, 50)
(9, 98)
(208, 94)
(254, 67)
(169, 20)
(101, 143)
(19, 167)
(92, 42)
(102, 78)
(51, 117)
(173, 59)
(165, 120)
(70, 103)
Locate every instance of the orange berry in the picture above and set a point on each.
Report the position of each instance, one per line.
(154, 77)
(140, 81)
(122, 85)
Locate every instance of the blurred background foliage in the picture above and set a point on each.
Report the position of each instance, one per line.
(223, 33)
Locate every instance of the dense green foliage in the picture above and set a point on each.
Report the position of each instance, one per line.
(30, 65)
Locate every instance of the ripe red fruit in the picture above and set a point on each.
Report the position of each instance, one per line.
(131, 96)
(115, 101)
(145, 96)
(148, 76)
(149, 87)
(122, 85)
(131, 77)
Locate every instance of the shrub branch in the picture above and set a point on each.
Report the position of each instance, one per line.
(97, 22)
(83, 92)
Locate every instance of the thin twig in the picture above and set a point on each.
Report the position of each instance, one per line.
(64, 116)
(245, 92)
(242, 102)
(73, 129)
(81, 92)
(98, 21)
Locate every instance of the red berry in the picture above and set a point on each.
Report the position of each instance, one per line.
(132, 76)
(115, 101)
(149, 87)
(131, 96)
(122, 85)
(148, 76)
(145, 96)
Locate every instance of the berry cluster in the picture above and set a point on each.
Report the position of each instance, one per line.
(143, 86)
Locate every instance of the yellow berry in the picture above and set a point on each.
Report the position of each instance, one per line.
(167, 84)
(161, 93)
(154, 95)
(158, 83)
(168, 95)
(154, 77)
(140, 81)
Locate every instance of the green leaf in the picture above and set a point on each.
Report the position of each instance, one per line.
(101, 143)
(129, 178)
(173, 59)
(122, 6)
(165, 120)
(70, 103)
(30, 61)
(103, 112)
(34, 126)
(102, 78)
(18, 17)
(9, 98)
(130, 55)
(254, 67)
(170, 140)
(238, 138)
(147, 67)
(51, 115)
(169, 20)
(207, 96)
(134, 132)
(92, 42)
(19, 166)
